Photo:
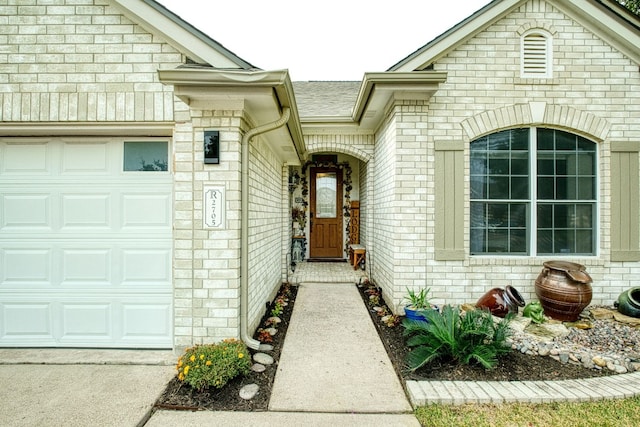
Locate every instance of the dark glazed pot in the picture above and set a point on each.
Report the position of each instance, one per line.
(564, 290)
(629, 302)
(501, 301)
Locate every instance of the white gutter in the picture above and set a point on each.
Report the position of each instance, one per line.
(244, 224)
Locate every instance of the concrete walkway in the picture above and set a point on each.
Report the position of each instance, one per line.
(332, 359)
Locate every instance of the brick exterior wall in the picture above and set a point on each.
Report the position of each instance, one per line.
(67, 61)
(593, 92)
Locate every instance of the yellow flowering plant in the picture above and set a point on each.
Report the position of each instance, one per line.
(213, 365)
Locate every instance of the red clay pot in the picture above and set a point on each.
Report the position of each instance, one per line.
(501, 301)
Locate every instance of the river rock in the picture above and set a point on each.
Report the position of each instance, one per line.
(249, 391)
(548, 330)
(628, 320)
(263, 358)
(258, 367)
(601, 313)
(265, 347)
(599, 361)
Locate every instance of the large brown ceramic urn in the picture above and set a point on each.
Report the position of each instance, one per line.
(564, 290)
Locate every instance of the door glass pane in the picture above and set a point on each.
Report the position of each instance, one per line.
(326, 189)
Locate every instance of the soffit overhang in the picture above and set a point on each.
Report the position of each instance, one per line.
(262, 94)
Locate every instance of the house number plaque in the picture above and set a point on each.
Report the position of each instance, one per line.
(213, 206)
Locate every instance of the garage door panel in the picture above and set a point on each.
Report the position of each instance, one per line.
(86, 211)
(152, 266)
(28, 266)
(87, 321)
(29, 158)
(85, 158)
(89, 267)
(146, 319)
(146, 211)
(26, 211)
(26, 319)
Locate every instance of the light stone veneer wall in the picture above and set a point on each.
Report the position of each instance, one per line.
(207, 262)
(593, 92)
(80, 60)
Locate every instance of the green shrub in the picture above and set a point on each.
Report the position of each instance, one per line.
(213, 365)
(447, 335)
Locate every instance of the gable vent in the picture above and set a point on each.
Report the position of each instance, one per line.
(536, 55)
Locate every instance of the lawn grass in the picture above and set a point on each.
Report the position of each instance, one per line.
(602, 413)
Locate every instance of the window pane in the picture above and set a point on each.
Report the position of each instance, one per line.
(498, 187)
(520, 139)
(565, 141)
(562, 242)
(478, 163)
(519, 164)
(499, 141)
(151, 156)
(498, 215)
(478, 187)
(545, 216)
(584, 216)
(584, 242)
(499, 163)
(478, 215)
(518, 215)
(518, 241)
(326, 190)
(545, 242)
(546, 164)
(478, 240)
(585, 189)
(545, 139)
(562, 215)
(586, 163)
(519, 188)
(497, 241)
(546, 188)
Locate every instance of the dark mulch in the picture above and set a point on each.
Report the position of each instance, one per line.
(512, 367)
(179, 396)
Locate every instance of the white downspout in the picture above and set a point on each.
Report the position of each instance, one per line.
(244, 225)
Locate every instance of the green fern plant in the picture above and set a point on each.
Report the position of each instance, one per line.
(448, 335)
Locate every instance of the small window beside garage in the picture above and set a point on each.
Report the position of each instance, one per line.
(146, 156)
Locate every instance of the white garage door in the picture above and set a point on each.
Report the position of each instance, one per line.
(85, 243)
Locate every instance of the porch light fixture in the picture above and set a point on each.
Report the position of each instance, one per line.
(211, 147)
(294, 181)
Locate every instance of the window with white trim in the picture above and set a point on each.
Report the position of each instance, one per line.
(536, 55)
(533, 192)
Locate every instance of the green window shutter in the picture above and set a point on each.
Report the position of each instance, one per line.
(625, 203)
(449, 198)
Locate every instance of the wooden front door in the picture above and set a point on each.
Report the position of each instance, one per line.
(325, 213)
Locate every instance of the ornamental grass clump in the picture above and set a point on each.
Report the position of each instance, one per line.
(213, 365)
(461, 338)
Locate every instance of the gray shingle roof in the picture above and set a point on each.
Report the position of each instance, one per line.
(325, 98)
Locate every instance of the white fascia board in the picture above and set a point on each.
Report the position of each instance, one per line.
(198, 47)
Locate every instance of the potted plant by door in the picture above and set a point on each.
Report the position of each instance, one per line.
(418, 303)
